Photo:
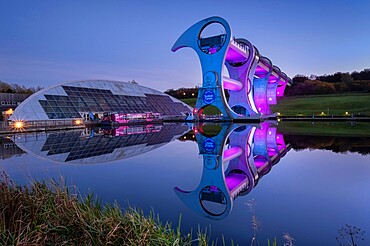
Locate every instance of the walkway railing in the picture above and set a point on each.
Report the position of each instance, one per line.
(30, 126)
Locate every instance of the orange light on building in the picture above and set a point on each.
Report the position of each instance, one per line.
(9, 111)
(78, 122)
(18, 124)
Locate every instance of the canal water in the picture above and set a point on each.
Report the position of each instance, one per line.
(233, 181)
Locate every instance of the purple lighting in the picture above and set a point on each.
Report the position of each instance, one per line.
(232, 153)
(234, 56)
(234, 180)
(231, 84)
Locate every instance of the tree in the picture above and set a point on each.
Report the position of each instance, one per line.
(299, 78)
(347, 79)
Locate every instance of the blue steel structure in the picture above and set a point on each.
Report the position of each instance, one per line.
(253, 82)
(233, 162)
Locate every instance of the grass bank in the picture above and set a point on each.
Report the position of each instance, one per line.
(47, 214)
(350, 129)
(211, 110)
(336, 104)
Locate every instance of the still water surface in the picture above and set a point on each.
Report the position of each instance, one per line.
(211, 178)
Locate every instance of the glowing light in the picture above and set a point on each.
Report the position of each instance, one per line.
(279, 120)
(232, 153)
(346, 112)
(278, 113)
(322, 113)
(269, 132)
(78, 122)
(18, 124)
(270, 99)
(278, 93)
(232, 84)
(184, 137)
(195, 111)
(195, 130)
(192, 94)
(9, 111)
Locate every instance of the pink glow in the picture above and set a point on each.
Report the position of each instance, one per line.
(212, 50)
(234, 56)
(232, 153)
(280, 90)
(260, 70)
(260, 161)
(232, 86)
(280, 141)
(234, 180)
(213, 188)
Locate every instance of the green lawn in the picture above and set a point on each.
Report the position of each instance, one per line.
(329, 104)
(325, 128)
(211, 110)
(337, 104)
(189, 101)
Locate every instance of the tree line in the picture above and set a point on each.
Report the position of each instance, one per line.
(329, 84)
(16, 88)
(303, 85)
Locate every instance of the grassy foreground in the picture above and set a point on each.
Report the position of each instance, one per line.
(47, 214)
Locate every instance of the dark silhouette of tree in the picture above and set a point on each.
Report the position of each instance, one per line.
(16, 88)
(299, 78)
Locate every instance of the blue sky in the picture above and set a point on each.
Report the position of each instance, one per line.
(47, 42)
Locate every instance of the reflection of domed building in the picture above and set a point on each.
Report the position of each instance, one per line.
(77, 100)
(120, 143)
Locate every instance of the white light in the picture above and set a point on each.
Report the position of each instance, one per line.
(18, 124)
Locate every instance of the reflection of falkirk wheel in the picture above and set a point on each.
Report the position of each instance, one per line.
(232, 168)
(253, 82)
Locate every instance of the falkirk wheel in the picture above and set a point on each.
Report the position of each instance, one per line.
(253, 82)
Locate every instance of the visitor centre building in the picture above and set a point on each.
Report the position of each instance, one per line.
(82, 100)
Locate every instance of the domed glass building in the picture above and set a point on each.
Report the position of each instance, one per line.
(83, 99)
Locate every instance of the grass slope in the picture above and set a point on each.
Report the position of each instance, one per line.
(210, 110)
(336, 104)
(350, 129)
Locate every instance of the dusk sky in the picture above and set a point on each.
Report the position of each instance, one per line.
(48, 42)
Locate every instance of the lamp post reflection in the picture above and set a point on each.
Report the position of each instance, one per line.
(234, 160)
